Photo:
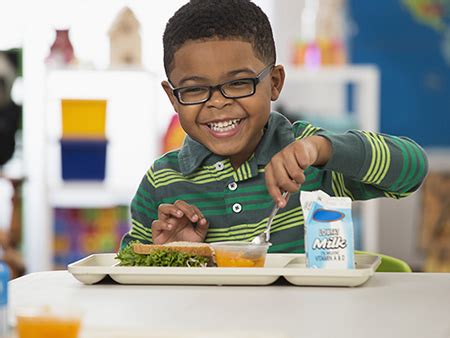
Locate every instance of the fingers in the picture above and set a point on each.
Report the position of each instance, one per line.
(176, 223)
(202, 225)
(276, 189)
(165, 211)
(283, 177)
(288, 175)
(158, 226)
(191, 212)
(180, 209)
(294, 172)
(285, 172)
(301, 155)
(272, 186)
(161, 231)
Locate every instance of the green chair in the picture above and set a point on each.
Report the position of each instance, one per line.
(388, 263)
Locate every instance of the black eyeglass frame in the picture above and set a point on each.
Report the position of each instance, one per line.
(257, 79)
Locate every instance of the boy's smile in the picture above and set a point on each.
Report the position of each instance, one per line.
(230, 127)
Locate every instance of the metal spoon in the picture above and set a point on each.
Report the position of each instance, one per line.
(265, 236)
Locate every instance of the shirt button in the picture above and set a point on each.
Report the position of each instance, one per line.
(219, 166)
(237, 208)
(232, 186)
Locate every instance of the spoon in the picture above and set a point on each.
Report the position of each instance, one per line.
(265, 236)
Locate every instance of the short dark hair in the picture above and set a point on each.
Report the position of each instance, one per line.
(223, 19)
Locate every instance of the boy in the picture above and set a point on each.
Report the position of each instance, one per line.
(239, 157)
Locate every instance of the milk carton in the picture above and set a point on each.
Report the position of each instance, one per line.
(329, 239)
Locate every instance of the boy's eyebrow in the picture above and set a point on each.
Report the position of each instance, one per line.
(231, 73)
(242, 70)
(191, 78)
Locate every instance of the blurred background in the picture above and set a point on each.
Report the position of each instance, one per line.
(80, 96)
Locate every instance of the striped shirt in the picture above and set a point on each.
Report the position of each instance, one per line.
(236, 202)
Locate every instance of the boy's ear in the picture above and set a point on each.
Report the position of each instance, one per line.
(278, 76)
(169, 93)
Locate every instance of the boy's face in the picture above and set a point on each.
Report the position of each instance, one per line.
(227, 127)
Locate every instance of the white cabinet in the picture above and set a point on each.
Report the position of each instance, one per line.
(133, 144)
(323, 92)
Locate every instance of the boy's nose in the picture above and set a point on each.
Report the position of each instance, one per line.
(217, 99)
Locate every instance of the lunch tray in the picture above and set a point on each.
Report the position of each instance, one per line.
(292, 267)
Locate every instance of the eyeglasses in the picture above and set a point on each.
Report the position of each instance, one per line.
(235, 89)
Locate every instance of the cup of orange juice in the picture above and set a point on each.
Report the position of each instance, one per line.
(48, 322)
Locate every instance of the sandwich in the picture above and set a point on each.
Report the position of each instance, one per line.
(174, 254)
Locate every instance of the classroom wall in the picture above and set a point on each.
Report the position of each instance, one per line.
(413, 53)
(412, 50)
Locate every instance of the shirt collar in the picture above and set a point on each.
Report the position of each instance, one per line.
(191, 155)
(278, 134)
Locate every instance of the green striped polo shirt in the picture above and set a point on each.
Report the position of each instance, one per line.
(236, 202)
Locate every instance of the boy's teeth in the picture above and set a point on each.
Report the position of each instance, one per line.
(223, 126)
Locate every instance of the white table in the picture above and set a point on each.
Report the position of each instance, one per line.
(388, 305)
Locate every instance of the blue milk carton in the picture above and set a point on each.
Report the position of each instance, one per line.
(329, 241)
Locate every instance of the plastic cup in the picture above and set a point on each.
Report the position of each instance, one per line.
(240, 254)
(48, 322)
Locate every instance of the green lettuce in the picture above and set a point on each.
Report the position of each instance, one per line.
(165, 257)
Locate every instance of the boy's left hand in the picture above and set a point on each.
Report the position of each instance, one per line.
(179, 221)
(285, 172)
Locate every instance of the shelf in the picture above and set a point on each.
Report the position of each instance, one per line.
(332, 74)
(88, 195)
(130, 125)
(323, 93)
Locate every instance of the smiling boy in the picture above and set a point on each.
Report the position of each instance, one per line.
(239, 157)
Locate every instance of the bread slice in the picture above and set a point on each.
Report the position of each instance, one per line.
(194, 248)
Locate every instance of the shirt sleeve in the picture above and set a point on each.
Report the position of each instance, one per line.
(144, 211)
(367, 165)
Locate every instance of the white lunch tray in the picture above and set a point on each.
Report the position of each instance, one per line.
(292, 267)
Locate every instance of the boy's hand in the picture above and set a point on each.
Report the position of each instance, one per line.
(285, 172)
(176, 223)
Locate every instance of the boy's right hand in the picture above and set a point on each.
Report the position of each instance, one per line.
(179, 222)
